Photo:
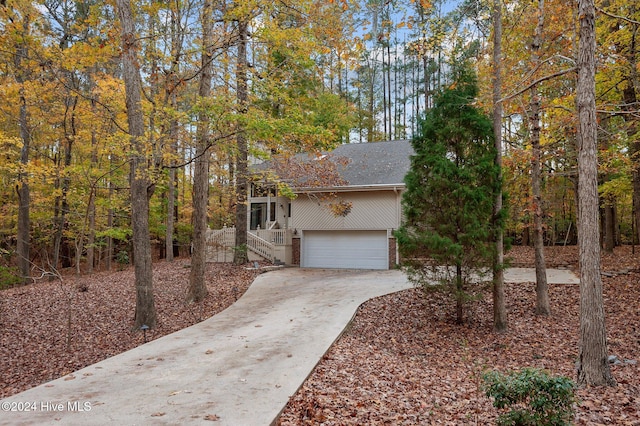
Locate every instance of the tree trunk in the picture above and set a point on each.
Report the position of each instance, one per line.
(91, 232)
(171, 206)
(630, 101)
(22, 188)
(459, 295)
(110, 216)
(499, 307)
(384, 92)
(171, 185)
(171, 88)
(525, 236)
(240, 256)
(609, 227)
(593, 367)
(141, 188)
(372, 109)
(65, 181)
(391, 137)
(542, 288)
(91, 206)
(197, 286)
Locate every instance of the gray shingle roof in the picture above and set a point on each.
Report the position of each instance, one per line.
(375, 163)
(362, 164)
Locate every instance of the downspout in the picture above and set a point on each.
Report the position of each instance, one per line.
(398, 219)
(266, 225)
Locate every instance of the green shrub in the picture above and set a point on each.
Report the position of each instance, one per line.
(122, 257)
(9, 277)
(534, 397)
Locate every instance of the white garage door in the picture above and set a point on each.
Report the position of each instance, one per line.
(345, 249)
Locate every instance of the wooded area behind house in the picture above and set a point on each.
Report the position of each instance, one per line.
(283, 77)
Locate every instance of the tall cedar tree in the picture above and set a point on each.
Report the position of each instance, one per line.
(451, 189)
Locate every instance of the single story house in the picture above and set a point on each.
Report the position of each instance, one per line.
(347, 205)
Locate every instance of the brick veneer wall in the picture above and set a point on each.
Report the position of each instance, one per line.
(295, 251)
(392, 253)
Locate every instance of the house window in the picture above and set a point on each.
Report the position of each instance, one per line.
(263, 190)
(272, 213)
(258, 215)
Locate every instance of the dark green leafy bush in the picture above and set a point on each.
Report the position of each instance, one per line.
(534, 397)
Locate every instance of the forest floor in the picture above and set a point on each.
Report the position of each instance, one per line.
(405, 362)
(402, 361)
(52, 328)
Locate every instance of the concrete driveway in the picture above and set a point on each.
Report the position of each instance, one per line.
(237, 368)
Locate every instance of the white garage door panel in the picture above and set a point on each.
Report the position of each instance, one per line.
(345, 249)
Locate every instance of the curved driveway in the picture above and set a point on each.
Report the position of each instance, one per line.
(237, 368)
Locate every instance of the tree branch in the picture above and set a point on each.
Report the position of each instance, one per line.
(538, 81)
(612, 15)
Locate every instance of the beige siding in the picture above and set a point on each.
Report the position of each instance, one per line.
(370, 210)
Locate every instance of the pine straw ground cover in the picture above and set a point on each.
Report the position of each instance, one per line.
(404, 361)
(50, 329)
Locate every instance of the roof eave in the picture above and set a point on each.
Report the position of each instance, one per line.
(351, 188)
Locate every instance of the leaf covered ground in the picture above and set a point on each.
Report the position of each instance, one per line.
(405, 362)
(52, 328)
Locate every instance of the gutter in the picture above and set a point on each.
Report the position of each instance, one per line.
(351, 188)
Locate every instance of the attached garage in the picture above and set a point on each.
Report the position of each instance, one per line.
(345, 249)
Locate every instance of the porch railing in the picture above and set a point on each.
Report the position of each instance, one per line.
(225, 237)
(277, 237)
(261, 241)
(261, 246)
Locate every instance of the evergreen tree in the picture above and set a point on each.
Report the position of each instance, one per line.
(451, 188)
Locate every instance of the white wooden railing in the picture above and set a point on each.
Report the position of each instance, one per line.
(225, 237)
(261, 246)
(261, 241)
(277, 237)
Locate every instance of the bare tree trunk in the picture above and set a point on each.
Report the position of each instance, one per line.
(171, 185)
(499, 307)
(110, 215)
(65, 181)
(91, 232)
(372, 108)
(459, 295)
(22, 188)
(593, 367)
(197, 286)
(171, 96)
(171, 206)
(141, 187)
(630, 100)
(91, 206)
(384, 94)
(609, 226)
(542, 288)
(240, 256)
